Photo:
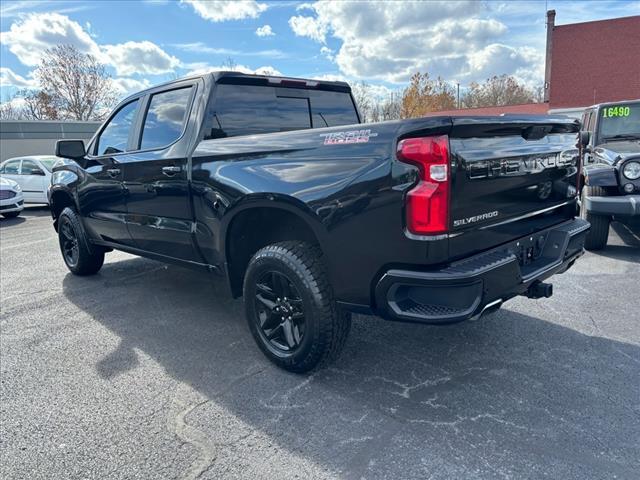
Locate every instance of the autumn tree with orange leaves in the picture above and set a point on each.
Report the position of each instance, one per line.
(425, 95)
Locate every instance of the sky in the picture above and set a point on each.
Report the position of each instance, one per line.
(382, 43)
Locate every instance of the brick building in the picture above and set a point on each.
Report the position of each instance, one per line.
(591, 62)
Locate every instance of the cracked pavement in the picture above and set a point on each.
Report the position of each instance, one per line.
(149, 371)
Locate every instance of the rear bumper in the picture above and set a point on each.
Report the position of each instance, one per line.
(467, 288)
(627, 205)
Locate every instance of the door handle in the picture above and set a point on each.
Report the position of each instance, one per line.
(113, 172)
(171, 171)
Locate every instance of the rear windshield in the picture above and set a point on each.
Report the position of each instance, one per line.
(620, 121)
(249, 109)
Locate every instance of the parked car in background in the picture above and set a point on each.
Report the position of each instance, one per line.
(611, 168)
(32, 173)
(11, 199)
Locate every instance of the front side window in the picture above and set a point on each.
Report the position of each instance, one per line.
(115, 136)
(11, 168)
(30, 168)
(165, 118)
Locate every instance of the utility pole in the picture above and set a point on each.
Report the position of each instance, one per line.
(458, 84)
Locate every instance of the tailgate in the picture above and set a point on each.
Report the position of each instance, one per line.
(510, 177)
(504, 169)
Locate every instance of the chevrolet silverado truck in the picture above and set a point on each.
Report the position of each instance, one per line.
(310, 215)
(611, 168)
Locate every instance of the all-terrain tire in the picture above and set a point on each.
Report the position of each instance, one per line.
(79, 255)
(325, 326)
(599, 233)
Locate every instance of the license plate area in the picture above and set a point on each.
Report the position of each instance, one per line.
(529, 249)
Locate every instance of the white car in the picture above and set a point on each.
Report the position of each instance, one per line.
(33, 174)
(11, 198)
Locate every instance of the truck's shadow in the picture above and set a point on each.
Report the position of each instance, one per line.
(505, 394)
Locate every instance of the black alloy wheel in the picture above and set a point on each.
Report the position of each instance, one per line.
(279, 311)
(290, 308)
(69, 243)
(80, 256)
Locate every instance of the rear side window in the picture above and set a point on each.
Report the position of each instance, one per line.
(165, 118)
(248, 110)
(115, 136)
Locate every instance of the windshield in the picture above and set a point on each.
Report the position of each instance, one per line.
(620, 121)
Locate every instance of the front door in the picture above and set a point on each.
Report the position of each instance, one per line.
(159, 213)
(101, 193)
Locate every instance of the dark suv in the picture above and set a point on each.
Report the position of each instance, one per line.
(611, 168)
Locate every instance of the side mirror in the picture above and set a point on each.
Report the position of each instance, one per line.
(37, 171)
(585, 137)
(73, 149)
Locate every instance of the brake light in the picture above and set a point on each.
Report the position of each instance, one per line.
(427, 205)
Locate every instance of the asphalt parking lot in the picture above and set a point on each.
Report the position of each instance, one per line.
(149, 371)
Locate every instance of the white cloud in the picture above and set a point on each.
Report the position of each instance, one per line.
(265, 31)
(9, 78)
(125, 86)
(200, 47)
(265, 70)
(28, 38)
(222, 10)
(140, 57)
(392, 40)
(310, 27)
(327, 53)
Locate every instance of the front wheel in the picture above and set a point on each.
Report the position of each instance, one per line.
(290, 307)
(599, 232)
(78, 254)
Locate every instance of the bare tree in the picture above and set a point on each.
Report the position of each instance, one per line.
(366, 104)
(497, 91)
(39, 105)
(8, 111)
(78, 85)
(229, 64)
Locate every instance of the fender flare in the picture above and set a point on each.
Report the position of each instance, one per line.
(272, 201)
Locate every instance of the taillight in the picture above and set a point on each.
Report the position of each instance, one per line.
(428, 202)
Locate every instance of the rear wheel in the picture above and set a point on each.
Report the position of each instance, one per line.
(11, 214)
(290, 307)
(599, 233)
(78, 254)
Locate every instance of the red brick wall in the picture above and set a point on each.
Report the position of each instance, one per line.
(595, 62)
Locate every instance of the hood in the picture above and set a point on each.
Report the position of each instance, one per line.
(615, 151)
(7, 183)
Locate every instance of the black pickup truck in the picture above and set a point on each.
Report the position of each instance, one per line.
(310, 215)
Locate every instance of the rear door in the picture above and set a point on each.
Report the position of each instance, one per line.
(33, 181)
(101, 194)
(159, 213)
